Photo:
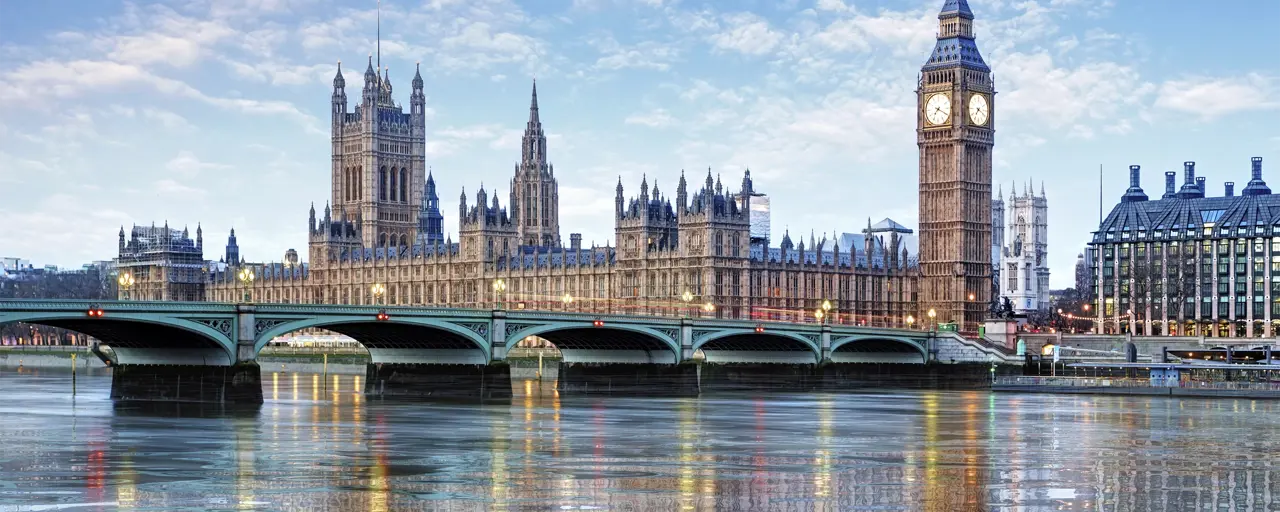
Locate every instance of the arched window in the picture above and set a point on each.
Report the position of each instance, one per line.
(359, 176)
(382, 184)
(404, 240)
(404, 185)
(393, 189)
(382, 240)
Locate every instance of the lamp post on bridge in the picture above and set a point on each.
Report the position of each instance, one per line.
(687, 297)
(246, 278)
(825, 310)
(499, 287)
(126, 282)
(933, 322)
(910, 320)
(567, 300)
(378, 290)
(709, 307)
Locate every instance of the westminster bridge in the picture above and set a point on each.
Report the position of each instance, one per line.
(207, 351)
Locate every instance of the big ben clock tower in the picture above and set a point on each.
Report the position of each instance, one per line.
(955, 132)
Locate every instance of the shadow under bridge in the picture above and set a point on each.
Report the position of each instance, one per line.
(627, 345)
(403, 341)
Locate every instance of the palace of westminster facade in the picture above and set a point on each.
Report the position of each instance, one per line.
(379, 240)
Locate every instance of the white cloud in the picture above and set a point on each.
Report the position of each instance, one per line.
(644, 55)
(167, 119)
(657, 118)
(746, 33)
(1215, 97)
(172, 188)
(1036, 89)
(188, 165)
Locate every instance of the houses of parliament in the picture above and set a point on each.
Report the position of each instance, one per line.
(379, 240)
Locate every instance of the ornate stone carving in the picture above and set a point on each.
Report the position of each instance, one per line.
(701, 334)
(513, 328)
(222, 325)
(261, 326)
(478, 328)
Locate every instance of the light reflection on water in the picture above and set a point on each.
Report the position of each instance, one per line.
(319, 444)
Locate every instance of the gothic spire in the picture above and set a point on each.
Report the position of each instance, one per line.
(417, 76)
(338, 81)
(533, 107)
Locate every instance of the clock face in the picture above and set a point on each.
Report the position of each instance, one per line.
(938, 109)
(979, 111)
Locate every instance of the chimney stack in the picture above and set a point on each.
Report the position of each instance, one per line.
(1200, 185)
(1170, 182)
(1231, 188)
(1257, 167)
(1189, 173)
(1135, 192)
(575, 241)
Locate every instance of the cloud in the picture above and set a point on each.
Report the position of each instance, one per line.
(172, 188)
(746, 33)
(188, 165)
(1215, 97)
(658, 118)
(1036, 89)
(644, 55)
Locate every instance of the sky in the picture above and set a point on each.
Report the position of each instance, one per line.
(216, 111)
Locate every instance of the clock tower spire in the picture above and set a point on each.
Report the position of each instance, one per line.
(955, 133)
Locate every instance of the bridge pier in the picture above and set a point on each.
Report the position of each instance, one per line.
(239, 384)
(644, 379)
(422, 380)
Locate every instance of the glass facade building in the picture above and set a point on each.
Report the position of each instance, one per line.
(1187, 264)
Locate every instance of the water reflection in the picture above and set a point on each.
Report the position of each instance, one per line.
(318, 444)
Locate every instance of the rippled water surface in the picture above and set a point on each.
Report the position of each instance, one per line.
(318, 444)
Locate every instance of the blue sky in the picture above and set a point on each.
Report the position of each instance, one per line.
(216, 111)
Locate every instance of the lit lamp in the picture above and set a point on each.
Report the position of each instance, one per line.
(499, 287)
(826, 308)
(378, 290)
(566, 299)
(687, 297)
(126, 282)
(818, 315)
(246, 278)
(709, 307)
(933, 315)
(910, 320)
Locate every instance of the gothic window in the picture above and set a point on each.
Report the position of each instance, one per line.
(404, 185)
(382, 184)
(1013, 277)
(404, 240)
(382, 240)
(719, 244)
(393, 188)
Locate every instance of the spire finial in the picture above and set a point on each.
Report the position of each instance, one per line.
(379, 34)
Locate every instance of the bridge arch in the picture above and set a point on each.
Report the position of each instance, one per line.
(878, 348)
(398, 339)
(583, 342)
(136, 338)
(749, 346)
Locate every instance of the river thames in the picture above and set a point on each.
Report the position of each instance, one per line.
(319, 444)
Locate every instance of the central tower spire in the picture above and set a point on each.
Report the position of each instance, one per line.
(535, 202)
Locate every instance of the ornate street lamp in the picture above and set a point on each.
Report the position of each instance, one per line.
(826, 308)
(933, 315)
(246, 278)
(819, 315)
(499, 287)
(378, 290)
(910, 320)
(126, 282)
(566, 300)
(687, 297)
(709, 307)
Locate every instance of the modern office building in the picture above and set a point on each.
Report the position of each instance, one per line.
(1188, 264)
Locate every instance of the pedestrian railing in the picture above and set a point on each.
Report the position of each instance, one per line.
(1130, 382)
